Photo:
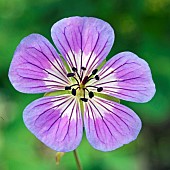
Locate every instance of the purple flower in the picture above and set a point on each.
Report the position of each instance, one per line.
(81, 90)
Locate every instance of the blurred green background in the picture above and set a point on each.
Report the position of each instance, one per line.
(142, 27)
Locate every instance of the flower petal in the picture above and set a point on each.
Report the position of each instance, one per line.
(83, 41)
(36, 67)
(56, 121)
(109, 125)
(127, 77)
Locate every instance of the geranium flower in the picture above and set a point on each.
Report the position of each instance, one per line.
(76, 89)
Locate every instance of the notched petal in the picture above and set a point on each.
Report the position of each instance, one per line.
(36, 67)
(127, 77)
(110, 125)
(83, 41)
(56, 121)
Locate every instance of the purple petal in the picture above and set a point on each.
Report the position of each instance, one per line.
(56, 121)
(36, 67)
(127, 77)
(83, 41)
(109, 125)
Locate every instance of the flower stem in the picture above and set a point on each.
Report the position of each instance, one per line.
(77, 160)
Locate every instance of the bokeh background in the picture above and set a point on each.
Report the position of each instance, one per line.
(142, 27)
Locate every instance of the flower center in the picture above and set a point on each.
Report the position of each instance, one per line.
(80, 89)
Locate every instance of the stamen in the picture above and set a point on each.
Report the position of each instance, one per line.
(92, 86)
(89, 79)
(84, 99)
(86, 89)
(73, 92)
(67, 88)
(96, 77)
(74, 85)
(77, 87)
(83, 68)
(91, 94)
(78, 75)
(99, 89)
(76, 80)
(74, 69)
(94, 71)
(70, 75)
(84, 92)
(81, 83)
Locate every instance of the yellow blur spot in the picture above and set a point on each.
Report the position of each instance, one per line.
(58, 157)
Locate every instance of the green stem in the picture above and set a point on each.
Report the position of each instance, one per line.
(77, 160)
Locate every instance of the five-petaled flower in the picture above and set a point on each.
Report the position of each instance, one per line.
(80, 90)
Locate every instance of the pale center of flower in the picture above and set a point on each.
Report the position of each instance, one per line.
(80, 89)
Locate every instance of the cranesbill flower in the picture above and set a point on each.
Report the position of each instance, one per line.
(77, 89)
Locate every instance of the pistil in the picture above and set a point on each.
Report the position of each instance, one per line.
(81, 84)
(73, 92)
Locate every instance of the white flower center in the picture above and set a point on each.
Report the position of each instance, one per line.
(79, 88)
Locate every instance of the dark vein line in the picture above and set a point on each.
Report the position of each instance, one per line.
(59, 63)
(68, 57)
(118, 80)
(101, 103)
(104, 121)
(49, 61)
(45, 70)
(92, 64)
(69, 45)
(93, 49)
(45, 111)
(115, 69)
(72, 111)
(58, 117)
(95, 125)
(74, 49)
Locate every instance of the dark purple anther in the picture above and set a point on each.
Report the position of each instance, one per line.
(99, 89)
(83, 68)
(97, 77)
(70, 75)
(67, 88)
(74, 69)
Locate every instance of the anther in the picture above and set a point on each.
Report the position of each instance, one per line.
(94, 71)
(83, 68)
(91, 94)
(99, 89)
(73, 92)
(84, 99)
(70, 75)
(67, 88)
(74, 69)
(97, 77)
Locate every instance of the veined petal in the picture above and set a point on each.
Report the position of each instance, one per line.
(83, 41)
(109, 125)
(56, 121)
(127, 77)
(36, 67)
